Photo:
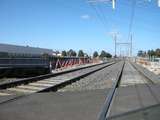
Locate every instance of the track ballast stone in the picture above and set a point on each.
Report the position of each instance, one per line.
(99, 80)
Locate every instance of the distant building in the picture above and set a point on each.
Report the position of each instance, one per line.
(15, 50)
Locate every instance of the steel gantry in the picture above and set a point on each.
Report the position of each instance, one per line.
(129, 44)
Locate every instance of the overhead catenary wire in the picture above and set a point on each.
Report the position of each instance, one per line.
(102, 14)
(98, 14)
(131, 19)
(130, 30)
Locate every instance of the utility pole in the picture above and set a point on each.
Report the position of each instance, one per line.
(131, 47)
(115, 39)
(114, 36)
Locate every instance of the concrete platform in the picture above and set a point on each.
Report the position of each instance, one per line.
(84, 105)
(147, 113)
(131, 76)
(135, 97)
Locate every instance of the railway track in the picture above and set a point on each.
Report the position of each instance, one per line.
(102, 79)
(122, 74)
(129, 74)
(48, 82)
(14, 82)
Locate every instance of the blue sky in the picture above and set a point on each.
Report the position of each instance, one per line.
(74, 24)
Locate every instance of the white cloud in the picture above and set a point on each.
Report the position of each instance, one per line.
(86, 17)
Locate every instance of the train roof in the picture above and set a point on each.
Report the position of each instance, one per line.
(24, 49)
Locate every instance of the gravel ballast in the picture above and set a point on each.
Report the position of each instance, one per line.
(98, 80)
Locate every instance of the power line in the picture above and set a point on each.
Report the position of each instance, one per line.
(131, 19)
(103, 15)
(98, 14)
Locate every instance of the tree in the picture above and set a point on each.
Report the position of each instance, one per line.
(140, 53)
(64, 53)
(95, 54)
(105, 54)
(149, 53)
(157, 52)
(71, 53)
(80, 53)
(152, 53)
(86, 55)
(74, 54)
(108, 55)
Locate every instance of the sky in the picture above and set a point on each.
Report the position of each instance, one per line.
(79, 24)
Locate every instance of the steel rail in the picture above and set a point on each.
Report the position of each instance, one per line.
(150, 82)
(60, 85)
(41, 77)
(104, 111)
